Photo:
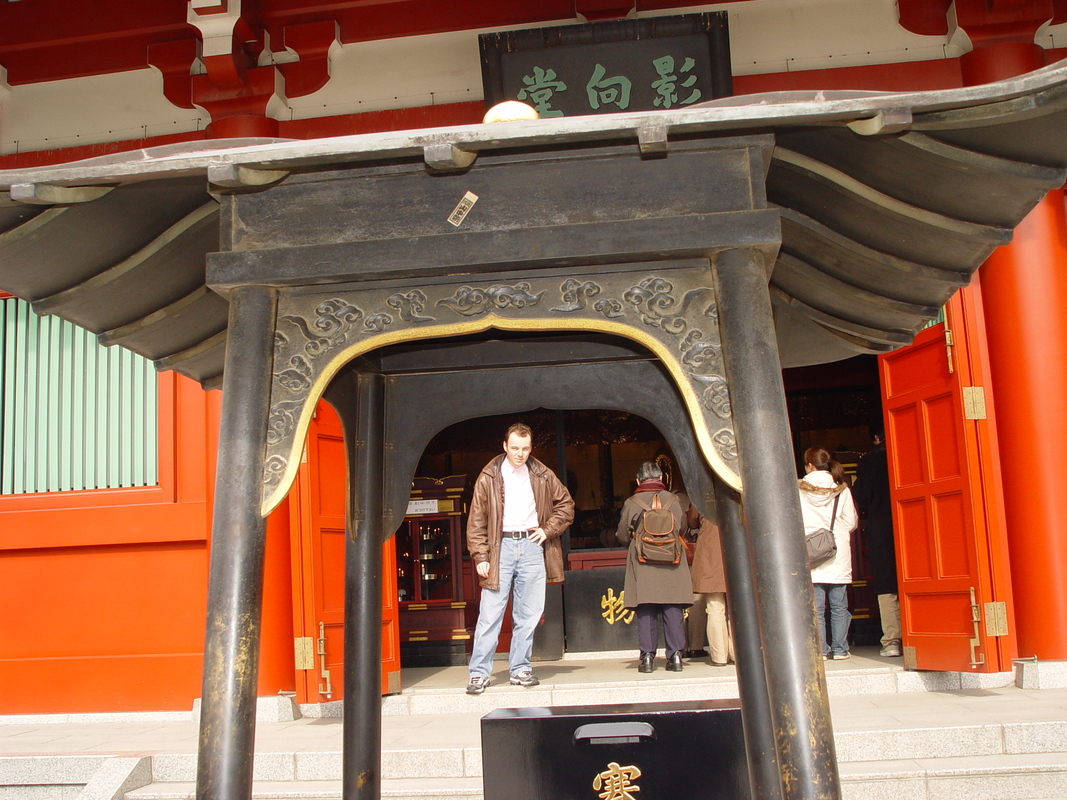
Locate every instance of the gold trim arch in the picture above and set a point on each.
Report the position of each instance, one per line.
(671, 310)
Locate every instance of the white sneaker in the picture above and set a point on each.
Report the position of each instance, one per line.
(477, 684)
(891, 650)
(524, 678)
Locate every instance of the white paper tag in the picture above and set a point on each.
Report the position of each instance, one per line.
(463, 207)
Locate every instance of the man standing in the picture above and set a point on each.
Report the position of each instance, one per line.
(518, 512)
(872, 496)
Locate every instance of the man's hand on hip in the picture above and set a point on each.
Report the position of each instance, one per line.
(538, 536)
(482, 568)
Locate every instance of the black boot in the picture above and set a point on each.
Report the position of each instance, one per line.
(674, 663)
(645, 664)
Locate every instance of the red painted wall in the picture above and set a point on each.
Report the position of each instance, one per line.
(105, 591)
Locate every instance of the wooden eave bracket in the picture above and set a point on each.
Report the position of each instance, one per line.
(212, 383)
(234, 176)
(45, 194)
(652, 139)
(175, 359)
(221, 28)
(313, 42)
(446, 157)
(887, 120)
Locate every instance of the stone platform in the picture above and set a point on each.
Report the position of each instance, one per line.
(899, 735)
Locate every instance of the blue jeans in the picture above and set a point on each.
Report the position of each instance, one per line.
(840, 618)
(522, 571)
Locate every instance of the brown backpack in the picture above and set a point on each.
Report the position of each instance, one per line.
(657, 540)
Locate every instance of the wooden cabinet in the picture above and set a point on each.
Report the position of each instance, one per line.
(428, 560)
(437, 611)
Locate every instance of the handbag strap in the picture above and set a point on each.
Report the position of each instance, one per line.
(833, 514)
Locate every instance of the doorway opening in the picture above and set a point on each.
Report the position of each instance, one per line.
(830, 405)
(430, 588)
(833, 406)
(597, 451)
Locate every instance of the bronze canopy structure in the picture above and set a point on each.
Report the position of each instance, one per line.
(665, 263)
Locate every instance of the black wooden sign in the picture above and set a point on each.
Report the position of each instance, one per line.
(605, 67)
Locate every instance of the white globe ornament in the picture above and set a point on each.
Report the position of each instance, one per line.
(510, 111)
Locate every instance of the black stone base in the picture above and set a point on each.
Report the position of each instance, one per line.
(681, 750)
(434, 654)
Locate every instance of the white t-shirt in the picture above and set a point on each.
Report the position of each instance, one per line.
(520, 510)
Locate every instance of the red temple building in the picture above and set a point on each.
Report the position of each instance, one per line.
(107, 463)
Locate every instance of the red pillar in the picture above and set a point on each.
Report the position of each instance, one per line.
(277, 665)
(1024, 291)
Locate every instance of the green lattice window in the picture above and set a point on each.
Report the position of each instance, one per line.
(73, 415)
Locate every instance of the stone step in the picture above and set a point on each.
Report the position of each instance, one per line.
(1002, 777)
(463, 760)
(1011, 739)
(406, 789)
(52, 769)
(698, 681)
(47, 777)
(399, 764)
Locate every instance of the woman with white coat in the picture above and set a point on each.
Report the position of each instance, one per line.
(818, 489)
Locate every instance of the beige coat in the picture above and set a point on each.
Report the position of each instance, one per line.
(653, 583)
(555, 511)
(707, 572)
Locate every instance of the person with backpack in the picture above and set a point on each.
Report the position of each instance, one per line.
(657, 574)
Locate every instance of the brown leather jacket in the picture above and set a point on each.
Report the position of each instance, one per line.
(555, 511)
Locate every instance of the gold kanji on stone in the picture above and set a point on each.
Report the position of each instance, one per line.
(617, 782)
(615, 608)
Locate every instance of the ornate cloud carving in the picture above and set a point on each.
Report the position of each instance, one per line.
(671, 310)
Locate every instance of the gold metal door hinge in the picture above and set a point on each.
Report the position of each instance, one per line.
(305, 652)
(325, 688)
(976, 617)
(996, 619)
(973, 402)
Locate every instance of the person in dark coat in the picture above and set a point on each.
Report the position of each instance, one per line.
(655, 590)
(872, 496)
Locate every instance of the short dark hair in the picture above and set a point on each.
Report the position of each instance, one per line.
(520, 429)
(877, 428)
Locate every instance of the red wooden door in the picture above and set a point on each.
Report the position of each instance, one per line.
(318, 512)
(947, 518)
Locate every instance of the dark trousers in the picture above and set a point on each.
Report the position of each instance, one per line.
(673, 629)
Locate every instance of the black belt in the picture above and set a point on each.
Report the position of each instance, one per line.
(519, 534)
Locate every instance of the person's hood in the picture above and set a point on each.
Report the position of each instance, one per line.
(820, 488)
